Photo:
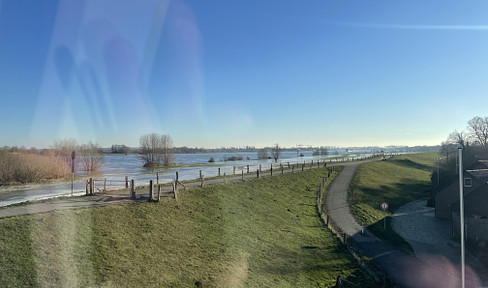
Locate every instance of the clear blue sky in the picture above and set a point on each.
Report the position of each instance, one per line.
(230, 73)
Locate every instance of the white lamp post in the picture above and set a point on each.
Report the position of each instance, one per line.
(461, 216)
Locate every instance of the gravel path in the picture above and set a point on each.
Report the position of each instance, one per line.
(430, 238)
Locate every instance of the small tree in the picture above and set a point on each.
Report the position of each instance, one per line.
(64, 147)
(156, 150)
(262, 154)
(275, 152)
(92, 158)
(324, 150)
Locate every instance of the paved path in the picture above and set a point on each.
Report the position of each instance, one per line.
(403, 268)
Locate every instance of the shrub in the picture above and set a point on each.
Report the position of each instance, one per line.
(21, 168)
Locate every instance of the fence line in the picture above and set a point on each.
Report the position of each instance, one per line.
(105, 184)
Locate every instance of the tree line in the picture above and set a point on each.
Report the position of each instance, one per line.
(473, 140)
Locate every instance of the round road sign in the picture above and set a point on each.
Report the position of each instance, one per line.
(384, 205)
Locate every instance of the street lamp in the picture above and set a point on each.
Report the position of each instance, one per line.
(461, 216)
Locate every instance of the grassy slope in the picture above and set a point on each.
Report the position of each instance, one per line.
(259, 233)
(400, 180)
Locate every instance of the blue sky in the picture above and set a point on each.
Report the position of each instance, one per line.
(234, 73)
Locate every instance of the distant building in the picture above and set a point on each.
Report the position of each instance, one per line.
(475, 201)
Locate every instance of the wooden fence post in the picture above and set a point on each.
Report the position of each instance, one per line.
(176, 181)
(91, 186)
(175, 190)
(281, 169)
(271, 169)
(259, 167)
(159, 192)
(247, 168)
(219, 172)
(303, 165)
(234, 170)
(200, 173)
(311, 164)
(243, 174)
(157, 178)
(105, 184)
(225, 178)
(132, 189)
(126, 182)
(257, 171)
(86, 188)
(288, 164)
(150, 190)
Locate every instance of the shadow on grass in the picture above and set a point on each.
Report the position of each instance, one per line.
(411, 164)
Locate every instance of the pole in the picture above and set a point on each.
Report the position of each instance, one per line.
(461, 215)
(72, 171)
(384, 219)
(72, 178)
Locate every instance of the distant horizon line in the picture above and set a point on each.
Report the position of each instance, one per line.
(248, 147)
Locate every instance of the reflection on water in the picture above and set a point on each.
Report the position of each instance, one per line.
(117, 167)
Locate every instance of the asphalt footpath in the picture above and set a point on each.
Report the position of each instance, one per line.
(403, 268)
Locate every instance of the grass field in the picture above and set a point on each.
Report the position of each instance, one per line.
(258, 233)
(397, 181)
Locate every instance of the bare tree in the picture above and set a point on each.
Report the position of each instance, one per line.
(92, 158)
(478, 128)
(262, 154)
(156, 149)
(459, 138)
(275, 152)
(64, 147)
(448, 149)
(324, 150)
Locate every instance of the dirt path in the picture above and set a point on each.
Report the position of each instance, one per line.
(403, 268)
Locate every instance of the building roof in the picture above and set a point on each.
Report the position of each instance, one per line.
(480, 174)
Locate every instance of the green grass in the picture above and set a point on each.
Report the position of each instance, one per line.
(258, 233)
(397, 181)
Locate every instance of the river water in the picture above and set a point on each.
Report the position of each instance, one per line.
(117, 167)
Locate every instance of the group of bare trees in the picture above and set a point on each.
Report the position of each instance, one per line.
(275, 153)
(90, 153)
(473, 140)
(156, 150)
